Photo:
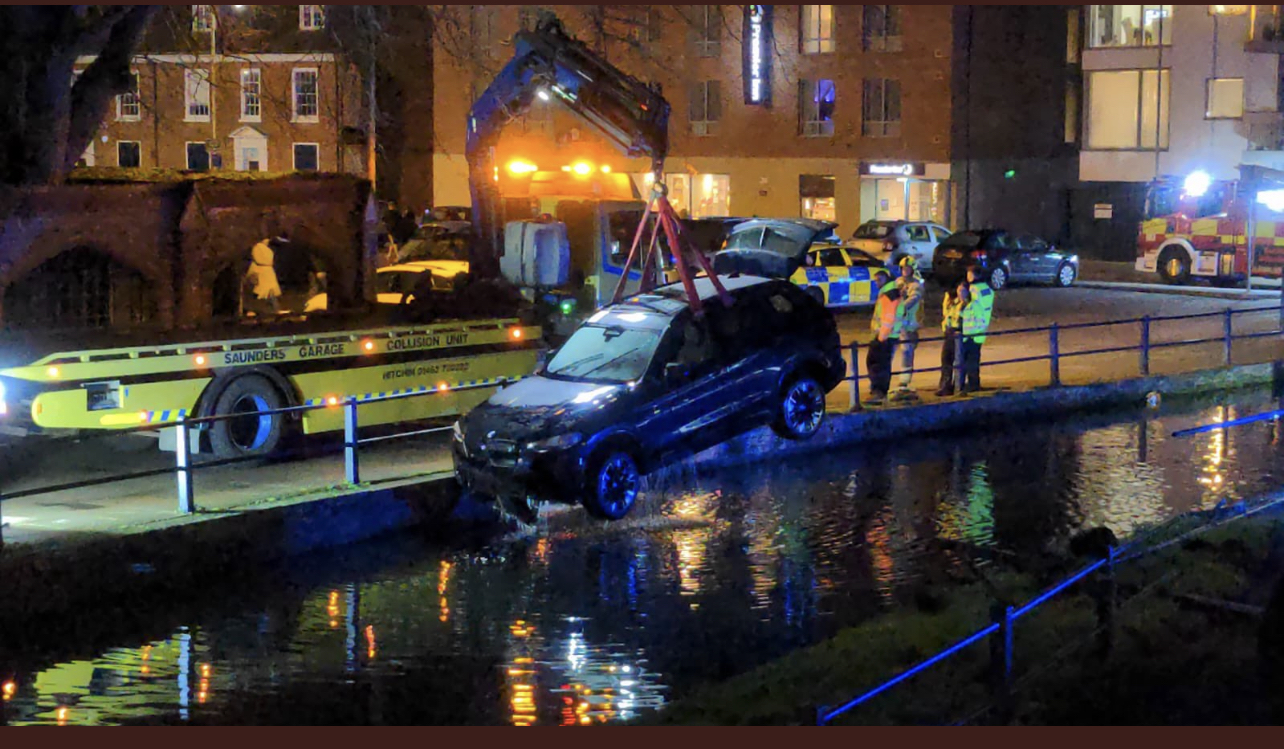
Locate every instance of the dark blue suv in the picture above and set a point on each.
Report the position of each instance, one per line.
(646, 382)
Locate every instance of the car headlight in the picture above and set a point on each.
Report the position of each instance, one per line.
(559, 442)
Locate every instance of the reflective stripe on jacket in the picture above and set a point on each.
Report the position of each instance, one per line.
(976, 315)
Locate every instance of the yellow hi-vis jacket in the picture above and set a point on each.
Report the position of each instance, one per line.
(886, 322)
(951, 312)
(976, 315)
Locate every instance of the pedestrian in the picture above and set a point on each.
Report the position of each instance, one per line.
(976, 321)
(951, 327)
(886, 324)
(910, 284)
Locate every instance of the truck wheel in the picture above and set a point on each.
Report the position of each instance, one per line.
(255, 433)
(801, 409)
(614, 482)
(1174, 266)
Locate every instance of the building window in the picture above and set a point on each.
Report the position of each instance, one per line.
(198, 157)
(646, 24)
(203, 18)
(306, 105)
(129, 108)
(311, 17)
(306, 157)
(1225, 99)
(711, 195)
(817, 29)
(881, 27)
(129, 154)
(251, 90)
(816, 195)
(1072, 111)
(816, 108)
(1128, 109)
(706, 107)
(1130, 25)
(708, 30)
(881, 108)
(196, 93)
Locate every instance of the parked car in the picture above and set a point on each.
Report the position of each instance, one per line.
(889, 241)
(447, 213)
(1004, 257)
(646, 382)
(394, 282)
(440, 241)
(804, 251)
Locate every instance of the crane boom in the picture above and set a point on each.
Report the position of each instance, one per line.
(549, 62)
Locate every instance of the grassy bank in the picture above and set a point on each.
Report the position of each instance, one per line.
(1185, 649)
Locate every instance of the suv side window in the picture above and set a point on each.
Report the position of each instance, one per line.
(917, 233)
(941, 233)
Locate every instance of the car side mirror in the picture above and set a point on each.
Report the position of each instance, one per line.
(675, 373)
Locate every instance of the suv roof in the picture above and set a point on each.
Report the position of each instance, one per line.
(671, 299)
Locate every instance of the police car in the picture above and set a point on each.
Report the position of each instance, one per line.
(807, 252)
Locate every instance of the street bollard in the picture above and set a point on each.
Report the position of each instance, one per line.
(351, 470)
(1001, 661)
(854, 401)
(1054, 355)
(1227, 332)
(1145, 346)
(183, 456)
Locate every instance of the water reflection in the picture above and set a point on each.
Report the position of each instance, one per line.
(583, 624)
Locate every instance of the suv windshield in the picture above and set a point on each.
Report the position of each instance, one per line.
(605, 354)
(872, 230)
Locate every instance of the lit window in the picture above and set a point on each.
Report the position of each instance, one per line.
(203, 18)
(817, 28)
(1130, 25)
(881, 108)
(196, 93)
(251, 90)
(1225, 99)
(706, 107)
(1128, 109)
(711, 195)
(306, 157)
(816, 195)
(881, 27)
(306, 104)
(816, 108)
(128, 106)
(311, 17)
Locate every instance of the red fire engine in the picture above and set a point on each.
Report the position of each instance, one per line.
(1198, 228)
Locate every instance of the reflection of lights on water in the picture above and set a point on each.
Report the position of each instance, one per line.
(63, 714)
(691, 545)
(10, 688)
(879, 540)
(370, 641)
(332, 609)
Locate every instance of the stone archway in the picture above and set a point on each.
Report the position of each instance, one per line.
(79, 289)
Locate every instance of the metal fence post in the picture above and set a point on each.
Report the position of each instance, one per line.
(183, 456)
(1145, 346)
(1054, 355)
(854, 401)
(1001, 660)
(1227, 333)
(351, 470)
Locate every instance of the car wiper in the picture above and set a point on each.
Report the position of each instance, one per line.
(562, 372)
(612, 360)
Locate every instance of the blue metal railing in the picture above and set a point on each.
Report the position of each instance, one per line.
(1007, 617)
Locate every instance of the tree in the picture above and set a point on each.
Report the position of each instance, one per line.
(49, 118)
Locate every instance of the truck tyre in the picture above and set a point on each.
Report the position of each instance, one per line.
(250, 435)
(801, 409)
(1174, 266)
(614, 482)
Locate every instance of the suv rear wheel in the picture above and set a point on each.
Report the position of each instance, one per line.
(801, 410)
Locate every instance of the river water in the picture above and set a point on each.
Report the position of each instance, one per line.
(582, 623)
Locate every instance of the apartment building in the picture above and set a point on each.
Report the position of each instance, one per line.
(829, 111)
(1169, 90)
(236, 87)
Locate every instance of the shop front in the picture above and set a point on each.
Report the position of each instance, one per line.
(904, 190)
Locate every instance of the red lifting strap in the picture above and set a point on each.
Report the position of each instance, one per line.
(667, 218)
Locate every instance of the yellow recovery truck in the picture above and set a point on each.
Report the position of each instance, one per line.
(197, 369)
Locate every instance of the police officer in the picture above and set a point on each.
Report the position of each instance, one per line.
(910, 284)
(951, 327)
(886, 324)
(976, 321)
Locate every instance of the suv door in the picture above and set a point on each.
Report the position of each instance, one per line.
(678, 420)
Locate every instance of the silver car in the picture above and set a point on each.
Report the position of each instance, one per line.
(889, 241)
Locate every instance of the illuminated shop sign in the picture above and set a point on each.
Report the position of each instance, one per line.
(893, 169)
(757, 55)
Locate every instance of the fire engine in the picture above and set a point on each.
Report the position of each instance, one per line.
(1198, 228)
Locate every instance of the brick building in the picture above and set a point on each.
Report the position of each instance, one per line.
(851, 120)
(248, 88)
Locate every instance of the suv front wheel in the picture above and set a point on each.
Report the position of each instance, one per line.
(801, 409)
(613, 485)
